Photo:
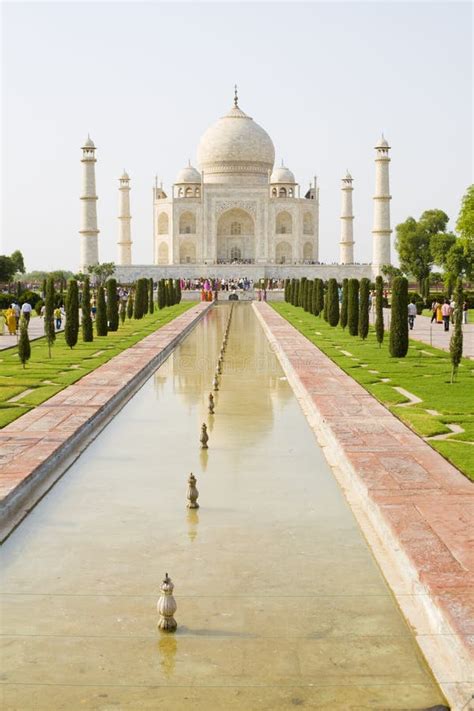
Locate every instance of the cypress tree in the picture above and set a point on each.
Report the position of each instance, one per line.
(379, 325)
(24, 347)
(138, 305)
(345, 292)
(320, 297)
(112, 305)
(145, 296)
(101, 315)
(309, 296)
(292, 292)
(43, 288)
(178, 291)
(161, 294)
(122, 311)
(353, 307)
(455, 344)
(317, 297)
(301, 291)
(333, 302)
(314, 298)
(49, 330)
(399, 322)
(287, 290)
(296, 294)
(87, 330)
(130, 305)
(151, 303)
(326, 303)
(71, 328)
(364, 293)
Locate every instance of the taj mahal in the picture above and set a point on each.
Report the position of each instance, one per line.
(237, 208)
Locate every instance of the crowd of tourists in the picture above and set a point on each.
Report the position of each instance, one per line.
(443, 312)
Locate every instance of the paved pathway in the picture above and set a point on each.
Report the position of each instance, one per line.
(433, 334)
(420, 506)
(35, 330)
(41, 436)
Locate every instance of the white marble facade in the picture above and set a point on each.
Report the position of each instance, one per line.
(238, 208)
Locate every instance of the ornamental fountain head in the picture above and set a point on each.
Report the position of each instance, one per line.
(211, 404)
(204, 437)
(167, 606)
(215, 383)
(193, 493)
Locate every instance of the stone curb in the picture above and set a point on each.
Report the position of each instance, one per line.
(446, 652)
(44, 473)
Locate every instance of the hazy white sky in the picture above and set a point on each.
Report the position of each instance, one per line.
(146, 79)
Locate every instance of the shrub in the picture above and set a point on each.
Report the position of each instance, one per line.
(139, 306)
(345, 290)
(314, 298)
(333, 302)
(379, 298)
(398, 345)
(353, 307)
(32, 297)
(87, 329)
(6, 300)
(101, 315)
(112, 305)
(364, 293)
(71, 328)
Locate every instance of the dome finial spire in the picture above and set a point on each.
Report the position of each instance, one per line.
(236, 96)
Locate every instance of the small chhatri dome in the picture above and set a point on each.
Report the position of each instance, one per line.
(89, 143)
(125, 176)
(236, 149)
(282, 175)
(189, 174)
(382, 143)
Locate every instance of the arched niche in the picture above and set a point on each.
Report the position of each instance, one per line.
(187, 252)
(284, 223)
(308, 223)
(283, 253)
(307, 251)
(187, 223)
(163, 253)
(163, 223)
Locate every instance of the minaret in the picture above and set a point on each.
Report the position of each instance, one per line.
(347, 222)
(125, 238)
(88, 231)
(381, 229)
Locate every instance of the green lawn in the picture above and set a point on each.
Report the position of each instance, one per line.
(46, 376)
(423, 375)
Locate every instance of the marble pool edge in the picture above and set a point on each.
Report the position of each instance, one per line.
(35, 479)
(443, 646)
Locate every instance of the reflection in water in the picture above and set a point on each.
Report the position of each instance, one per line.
(203, 458)
(167, 648)
(192, 517)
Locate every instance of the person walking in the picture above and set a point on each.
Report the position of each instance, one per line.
(411, 314)
(434, 308)
(446, 313)
(58, 317)
(16, 311)
(465, 310)
(26, 312)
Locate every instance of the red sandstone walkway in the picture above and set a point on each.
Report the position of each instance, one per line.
(424, 504)
(30, 441)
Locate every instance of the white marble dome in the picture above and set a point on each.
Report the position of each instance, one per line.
(282, 175)
(189, 174)
(236, 149)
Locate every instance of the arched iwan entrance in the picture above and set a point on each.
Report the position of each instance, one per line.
(235, 237)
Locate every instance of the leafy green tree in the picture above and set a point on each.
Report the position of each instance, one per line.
(333, 302)
(101, 315)
(87, 329)
(398, 344)
(24, 347)
(18, 261)
(413, 242)
(345, 292)
(101, 272)
(465, 227)
(364, 293)
(151, 303)
(112, 305)
(456, 342)
(353, 307)
(71, 328)
(49, 305)
(130, 305)
(450, 253)
(390, 272)
(379, 325)
(7, 269)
